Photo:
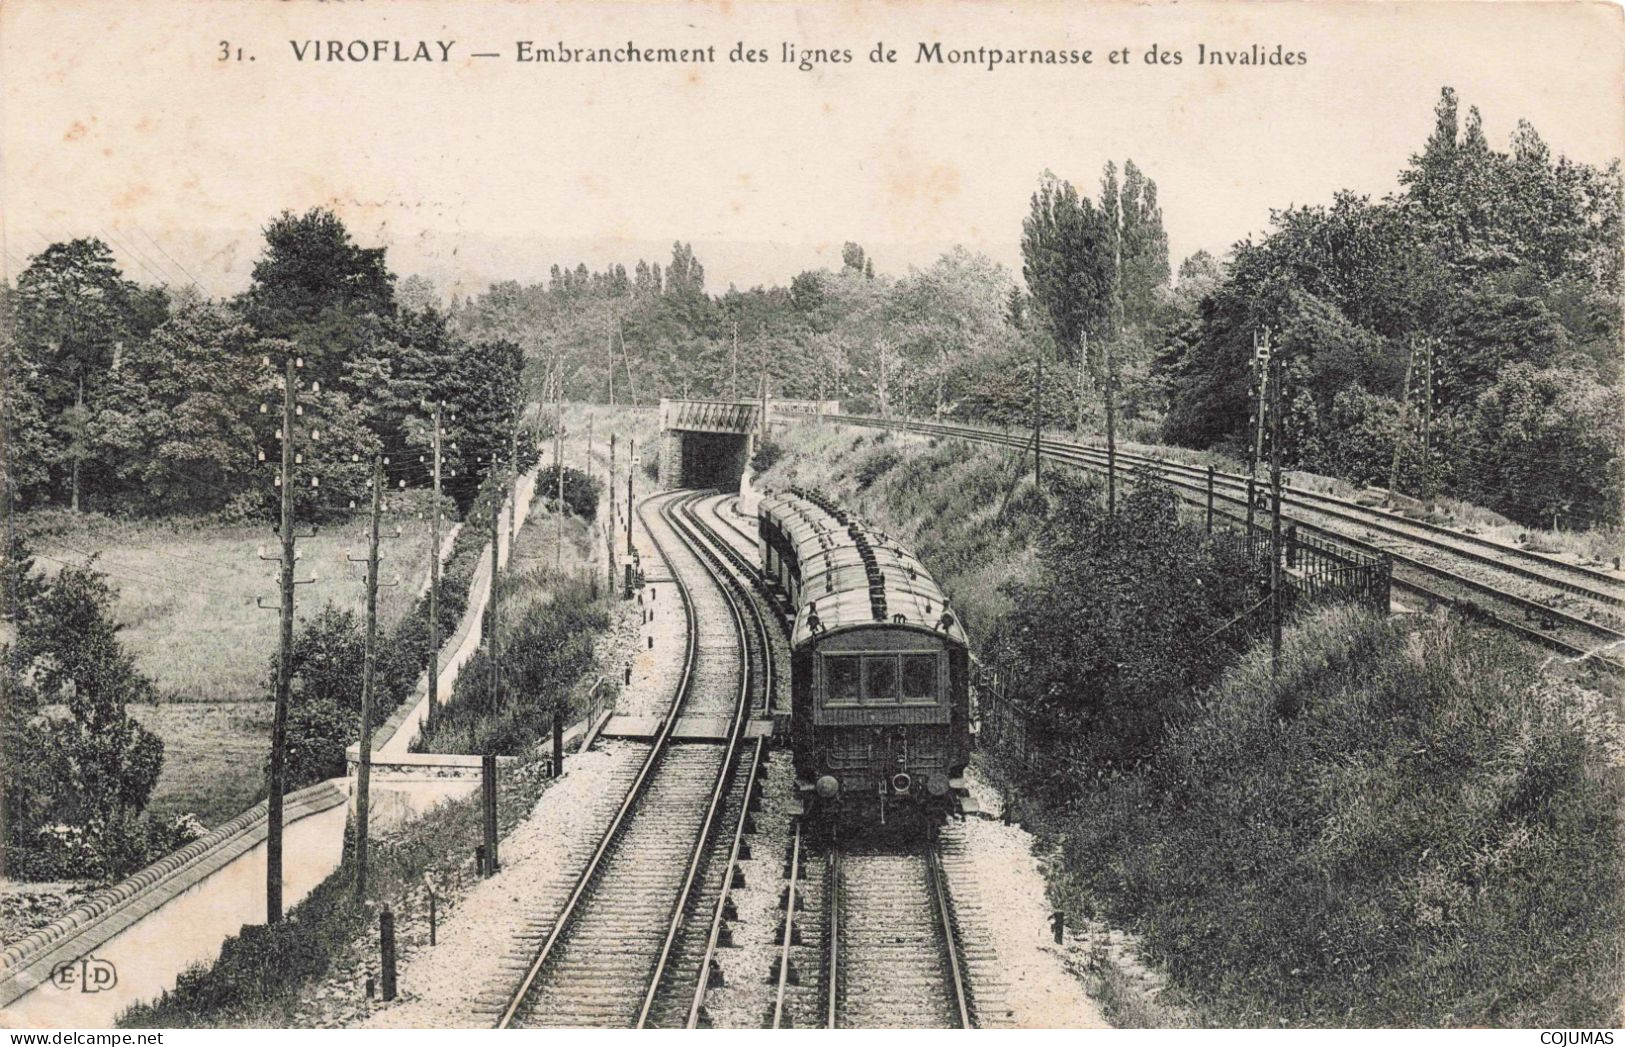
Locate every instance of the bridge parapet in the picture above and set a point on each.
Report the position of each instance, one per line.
(710, 416)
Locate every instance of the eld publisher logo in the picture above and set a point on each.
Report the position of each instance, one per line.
(86, 973)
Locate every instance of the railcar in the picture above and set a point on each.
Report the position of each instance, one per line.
(880, 699)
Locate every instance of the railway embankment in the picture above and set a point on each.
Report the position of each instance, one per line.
(1414, 821)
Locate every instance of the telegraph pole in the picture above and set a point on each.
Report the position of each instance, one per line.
(1274, 378)
(631, 458)
(1038, 400)
(369, 673)
(1427, 420)
(1262, 357)
(284, 666)
(1404, 419)
(1111, 433)
(609, 528)
(491, 629)
(1083, 377)
(513, 475)
(733, 374)
(434, 572)
(78, 445)
(558, 465)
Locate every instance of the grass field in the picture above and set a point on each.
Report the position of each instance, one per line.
(214, 756)
(186, 602)
(186, 590)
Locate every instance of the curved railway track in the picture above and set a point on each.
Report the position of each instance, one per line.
(627, 949)
(1531, 617)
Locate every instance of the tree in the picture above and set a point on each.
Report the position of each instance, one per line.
(78, 807)
(1067, 263)
(312, 283)
(73, 310)
(176, 428)
(1140, 600)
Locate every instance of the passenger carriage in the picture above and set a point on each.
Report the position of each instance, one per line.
(879, 681)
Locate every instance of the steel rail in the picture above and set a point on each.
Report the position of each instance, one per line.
(1607, 635)
(832, 938)
(789, 929)
(945, 920)
(1499, 556)
(737, 599)
(719, 792)
(1384, 522)
(634, 795)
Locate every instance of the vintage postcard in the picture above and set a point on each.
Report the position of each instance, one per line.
(785, 514)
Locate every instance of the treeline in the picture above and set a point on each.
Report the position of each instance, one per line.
(156, 401)
(1460, 336)
(1490, 282)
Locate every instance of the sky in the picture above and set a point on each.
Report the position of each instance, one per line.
(120, 120)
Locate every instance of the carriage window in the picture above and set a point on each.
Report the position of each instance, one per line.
(880, 679)
(919, 678)
(840, 679)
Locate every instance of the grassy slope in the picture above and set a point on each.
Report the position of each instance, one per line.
(1433, 839)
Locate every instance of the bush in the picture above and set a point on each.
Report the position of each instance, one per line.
(1411, 826)
(75, 785)
(1139, 603)
(767, 454)
(581, 492)
(875, 466)
(544, 656)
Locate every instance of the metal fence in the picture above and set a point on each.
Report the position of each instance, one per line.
(1002, 724)
(1314, 570)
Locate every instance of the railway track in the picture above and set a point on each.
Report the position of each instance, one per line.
(633, 941)
(1533, 614)
(892, 959)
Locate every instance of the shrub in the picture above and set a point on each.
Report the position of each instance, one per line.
(875, 466)
(544, 656)
(767, 454)
(581, 491)
(1411, 825)
(75, 785)
(1124, 624)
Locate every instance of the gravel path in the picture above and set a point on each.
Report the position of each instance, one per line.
(1019, 977)
(485, 942)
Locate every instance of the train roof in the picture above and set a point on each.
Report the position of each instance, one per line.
(852, 576)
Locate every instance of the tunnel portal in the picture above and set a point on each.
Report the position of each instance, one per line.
(706, 443)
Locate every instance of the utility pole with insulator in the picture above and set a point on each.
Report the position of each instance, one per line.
(1427, 420)
(434, 569)
(609, 525)
(1404, 420)
(1111, 432)
(491, 630)
(1038, 416)
(276, 775)
(558, 465)
(1274, 372)
(369, 675)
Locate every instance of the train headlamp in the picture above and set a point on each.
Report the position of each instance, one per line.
(828, 786)
(936, 783)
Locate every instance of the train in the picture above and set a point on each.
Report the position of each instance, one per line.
(879, 667)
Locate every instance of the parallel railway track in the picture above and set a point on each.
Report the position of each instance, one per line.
(627, 949)
(892, 958)
(1555, 628)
